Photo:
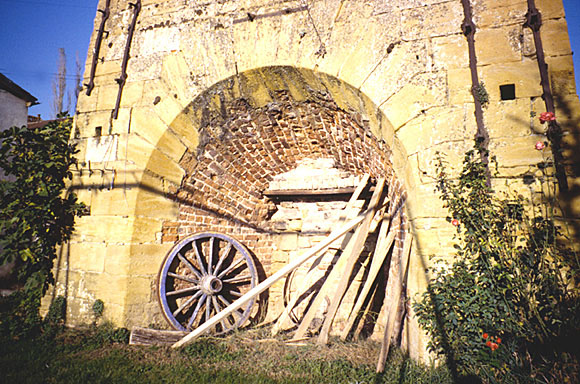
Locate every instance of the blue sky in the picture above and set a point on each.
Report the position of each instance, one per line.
(32, 31)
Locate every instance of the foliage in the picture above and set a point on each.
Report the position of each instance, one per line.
(98, 308)
(19, 315)
(107, 333)
(35, 214)
(507, 309)
(482, 94)
(54, 320)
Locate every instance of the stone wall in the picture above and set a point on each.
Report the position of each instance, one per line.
(222, 97)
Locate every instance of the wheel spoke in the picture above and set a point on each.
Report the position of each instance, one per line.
(236, 293)
(196, 311)
(230, 268)
(210, 256)
(186, 303)
(222, 258)
(218, 309)
(184, 278)
(198, 256)
(224, 300)
(184, 290)
(188, 265)
(238, 279)
(207, 309)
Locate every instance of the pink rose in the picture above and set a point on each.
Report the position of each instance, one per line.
(540, 145)
(547, 116)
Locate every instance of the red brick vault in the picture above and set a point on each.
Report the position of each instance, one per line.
(245, 144)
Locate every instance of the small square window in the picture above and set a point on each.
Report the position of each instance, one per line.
(507, 92)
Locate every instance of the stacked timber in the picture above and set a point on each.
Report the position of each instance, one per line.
(391, 253)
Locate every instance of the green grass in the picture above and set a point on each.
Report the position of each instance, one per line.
(89, 356)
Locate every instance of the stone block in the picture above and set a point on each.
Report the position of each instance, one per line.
(144, 154)
(459, 83)
(518, 151)
(555, 39)
(498, 45)
(450, 52)
(148, 125)
(102, 149)
(499, 13)
(562, 79)
(525, 76)
(107, 97)
(132, 93)
(436, 20)
(89, 257)
(98, 228)
(550, 9)
(146, 230)
(287, 241)
(408, 103)
(509, 118)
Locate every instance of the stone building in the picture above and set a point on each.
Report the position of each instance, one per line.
(14, 104)
(202, 116)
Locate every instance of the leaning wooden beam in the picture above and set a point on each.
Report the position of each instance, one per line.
(394, 307)
(395, 222)
(269, 281)
(351, 257)
(329, 283)
(384, 243)
(147, 336)
(285, 316)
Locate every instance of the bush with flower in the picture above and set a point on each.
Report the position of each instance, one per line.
(513, 276)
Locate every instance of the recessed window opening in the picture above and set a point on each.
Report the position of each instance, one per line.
(98, 131)
(507, 91)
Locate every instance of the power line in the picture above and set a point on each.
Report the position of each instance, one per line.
(32, 73)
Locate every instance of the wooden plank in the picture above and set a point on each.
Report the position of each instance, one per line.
(351, 254)
(384, 243)
(147, 336)
(285, 316)
(395, 222)
(252, 293)
(394, 307)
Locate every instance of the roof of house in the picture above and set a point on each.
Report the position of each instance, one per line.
(11, 87)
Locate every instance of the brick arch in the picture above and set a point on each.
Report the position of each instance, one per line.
(259, 124)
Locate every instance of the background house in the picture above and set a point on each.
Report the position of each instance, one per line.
(14, 104)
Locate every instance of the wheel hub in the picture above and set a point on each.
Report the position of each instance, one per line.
(211, 285)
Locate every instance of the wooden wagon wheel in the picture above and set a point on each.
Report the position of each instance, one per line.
(202, 275)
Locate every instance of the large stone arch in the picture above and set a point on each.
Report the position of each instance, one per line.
(232, 140)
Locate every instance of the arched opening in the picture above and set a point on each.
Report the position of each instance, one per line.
(246, 135)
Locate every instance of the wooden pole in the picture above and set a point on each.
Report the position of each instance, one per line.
(269, 281)
(384, 243)
(394, 307)
(358, 242)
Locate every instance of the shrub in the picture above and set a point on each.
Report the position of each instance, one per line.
(36, 215)
(506, 309)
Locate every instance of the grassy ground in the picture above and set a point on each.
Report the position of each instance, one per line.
(90, 356)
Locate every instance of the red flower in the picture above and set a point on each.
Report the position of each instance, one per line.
(485, 335)
(547, 116)
(488, 343)
(540, 145)
(455, 223)
(494, 346)
(498, 340)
